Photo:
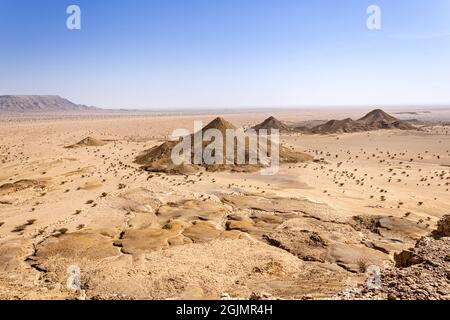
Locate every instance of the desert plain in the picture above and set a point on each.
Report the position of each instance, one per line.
(367, 198)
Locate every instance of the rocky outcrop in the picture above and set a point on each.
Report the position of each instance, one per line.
(443, 227)
(159, 158)
(419, 273)
(374, 120)
(34, 103)
(272, 123)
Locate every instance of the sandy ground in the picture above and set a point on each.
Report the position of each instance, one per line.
(153, 236)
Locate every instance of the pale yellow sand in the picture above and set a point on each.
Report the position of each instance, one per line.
(388, 173)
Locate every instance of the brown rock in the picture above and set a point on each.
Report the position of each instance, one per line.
(406, 259)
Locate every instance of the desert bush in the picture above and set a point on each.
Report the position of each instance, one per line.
(363, 264)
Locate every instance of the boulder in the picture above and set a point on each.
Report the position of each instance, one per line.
(443, 227)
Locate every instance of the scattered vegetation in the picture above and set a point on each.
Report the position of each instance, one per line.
(363, 264)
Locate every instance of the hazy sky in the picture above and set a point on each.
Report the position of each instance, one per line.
(227, 53)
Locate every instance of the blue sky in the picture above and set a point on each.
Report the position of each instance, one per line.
(172, 54)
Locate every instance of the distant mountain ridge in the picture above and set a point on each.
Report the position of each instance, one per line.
(378, 119)
(272, 123)
(339, 126)
(374, 120)
(39, 103)
(378, 115)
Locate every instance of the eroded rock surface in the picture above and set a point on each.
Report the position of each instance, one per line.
(420, 273)
(265, 246)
